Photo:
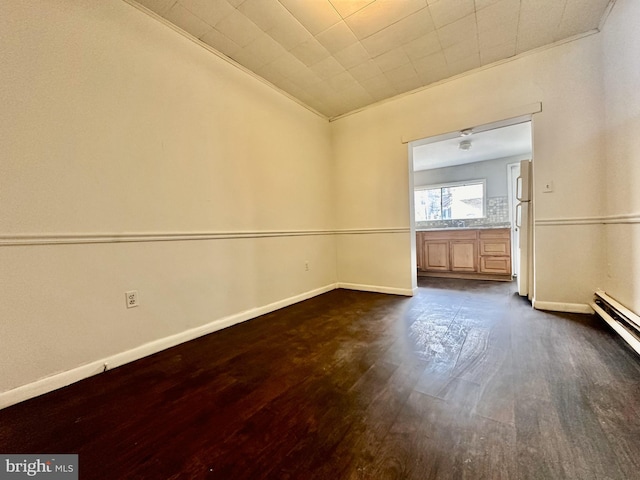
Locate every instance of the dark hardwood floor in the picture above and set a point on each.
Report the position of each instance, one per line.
(463, 380)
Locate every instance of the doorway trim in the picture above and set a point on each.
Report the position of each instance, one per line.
(525, 114)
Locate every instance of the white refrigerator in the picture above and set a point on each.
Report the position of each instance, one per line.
(523, 221)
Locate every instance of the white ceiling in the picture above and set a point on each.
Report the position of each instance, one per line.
(486, 145)
(336, 56)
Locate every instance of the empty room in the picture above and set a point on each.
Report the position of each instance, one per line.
(320, 239)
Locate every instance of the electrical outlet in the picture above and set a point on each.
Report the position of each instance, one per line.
(132, 298)
(306, 266)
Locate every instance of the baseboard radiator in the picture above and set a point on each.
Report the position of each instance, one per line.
(620, 318)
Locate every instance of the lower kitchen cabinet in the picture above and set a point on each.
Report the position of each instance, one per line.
(464, 254)
(436, 256)
(472, 253)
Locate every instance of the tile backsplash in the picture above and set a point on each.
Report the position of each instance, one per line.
(497, 215)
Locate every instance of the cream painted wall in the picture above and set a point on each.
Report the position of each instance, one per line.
(621, 50)
(113, 123)
(372, 176)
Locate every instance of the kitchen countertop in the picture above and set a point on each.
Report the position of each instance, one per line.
(482, 227)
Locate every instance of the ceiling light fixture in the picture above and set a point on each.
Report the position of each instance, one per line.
(465, 145)
(466, 132)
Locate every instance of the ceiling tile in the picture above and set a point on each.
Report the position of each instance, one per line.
(315, 15)
(408, 84)
(501, 12)
(264, 13)
(498, 36)
(432, 68)
(380, 14)
(393, 59)
(499, 52)
(401, 74)
(379, 87)
(538, 23)
(423, 46)
(480, 4)
(461, 50)
(248, 60)
(327, 68)
(347, 7)
(220, 42)
(365, 70)
(289, 33)
(352, 55)
(298, 91)
(358, 93)
(498, 25)
(272, 73)
(265, 48)
(528, 39)
(211, 11)
(158, 6)
(324, 92)
(497, 30)
(337, 55)
(445, 12)
(464, 65)
(304, 76)
(238, 28)
(580, 16)
(310, 52)
(356, 99)
(405, 30)
(342, 81)
(287, 65)
(337, 37)
(457, 31)
(187, 21)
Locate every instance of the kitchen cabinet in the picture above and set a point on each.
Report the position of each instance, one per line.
(436, 255)
(465, 253)
(495, 251)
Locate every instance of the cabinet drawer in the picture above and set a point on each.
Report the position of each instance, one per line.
(496, 265)
(494, 233)
(495, 246)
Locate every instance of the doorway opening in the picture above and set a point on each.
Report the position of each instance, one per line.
(467, 202)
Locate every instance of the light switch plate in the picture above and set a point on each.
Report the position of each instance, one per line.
(547, 187)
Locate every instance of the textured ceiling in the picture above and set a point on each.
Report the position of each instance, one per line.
(489, 144)
(340, 55)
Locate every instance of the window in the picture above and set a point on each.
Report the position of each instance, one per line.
(450, 202)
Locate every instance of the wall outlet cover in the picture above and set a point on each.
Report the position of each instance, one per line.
(132, 298)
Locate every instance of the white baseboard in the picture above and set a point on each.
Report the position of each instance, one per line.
(407, 292)
(62, 379)
(563, 307)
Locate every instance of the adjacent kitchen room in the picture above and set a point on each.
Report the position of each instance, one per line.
(469, 199)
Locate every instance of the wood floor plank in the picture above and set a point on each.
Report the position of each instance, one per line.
(463, 381)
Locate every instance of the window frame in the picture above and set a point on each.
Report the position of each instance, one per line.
(482, 181)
